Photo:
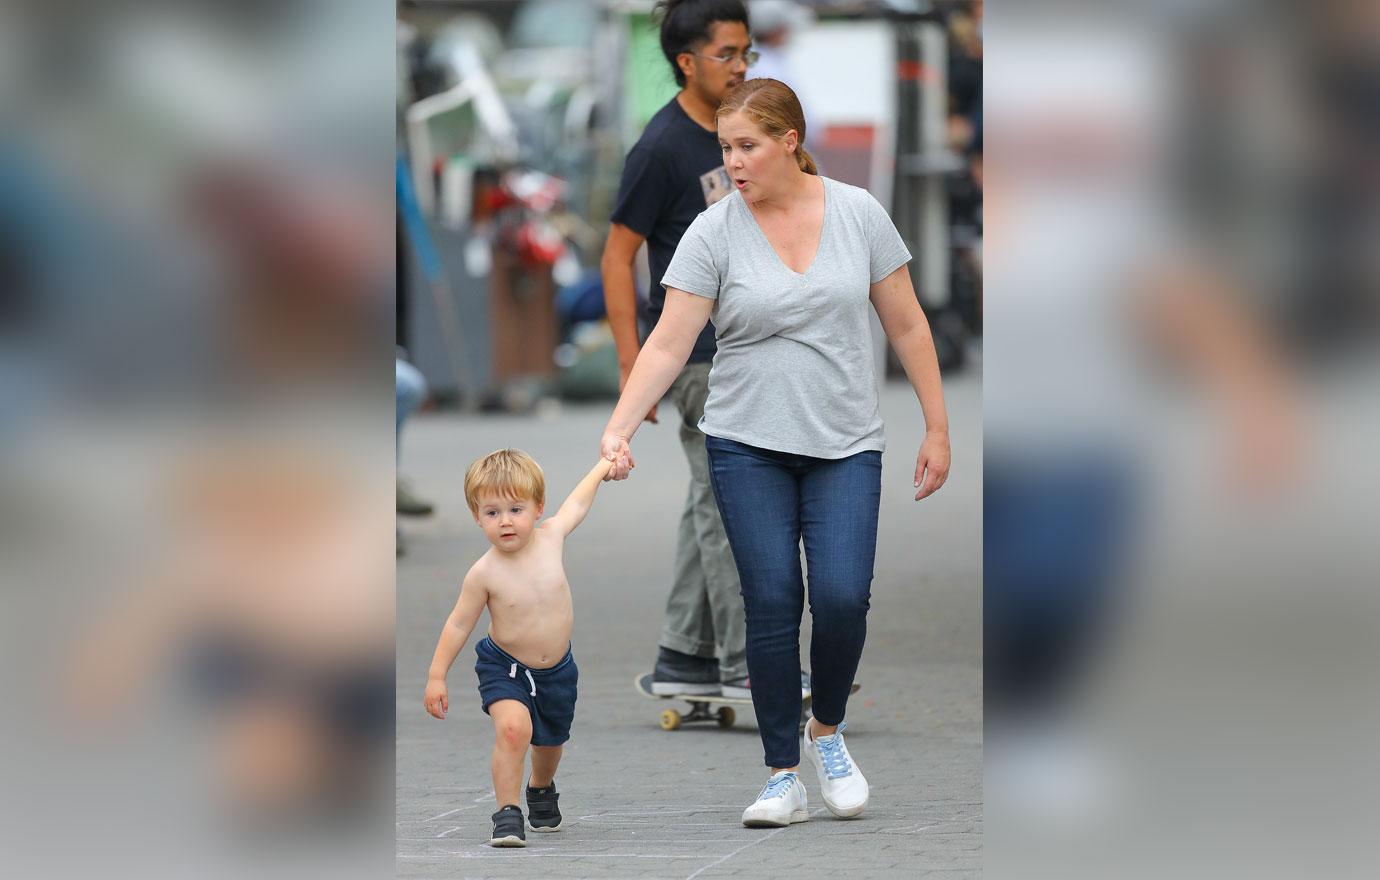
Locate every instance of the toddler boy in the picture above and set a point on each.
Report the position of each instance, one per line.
(527, 673)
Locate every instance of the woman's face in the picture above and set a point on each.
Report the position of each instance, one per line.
(758, 163)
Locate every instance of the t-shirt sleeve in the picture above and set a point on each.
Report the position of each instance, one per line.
(695, 266)
(887, 252)
(642, 192)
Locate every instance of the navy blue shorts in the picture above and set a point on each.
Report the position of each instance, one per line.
(549, 694)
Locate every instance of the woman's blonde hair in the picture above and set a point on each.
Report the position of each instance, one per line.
(775, 109)
(509, 473)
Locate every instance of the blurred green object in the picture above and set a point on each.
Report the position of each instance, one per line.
(647, 79)
(592, 376)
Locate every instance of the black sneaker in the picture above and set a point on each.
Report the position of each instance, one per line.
(678, 673)
(542, 812)
(508, 829)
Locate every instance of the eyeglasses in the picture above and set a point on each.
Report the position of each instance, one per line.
(749, 58)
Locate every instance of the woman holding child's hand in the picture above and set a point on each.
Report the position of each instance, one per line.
(787, 267)
(614, 447)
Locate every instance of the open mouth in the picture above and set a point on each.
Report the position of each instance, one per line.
(739, 182)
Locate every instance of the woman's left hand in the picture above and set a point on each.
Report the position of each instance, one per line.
(932, 465)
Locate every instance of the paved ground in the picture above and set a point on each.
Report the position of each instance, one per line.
(641, 802)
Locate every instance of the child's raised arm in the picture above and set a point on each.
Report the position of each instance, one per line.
(473, 597)
(573, 511)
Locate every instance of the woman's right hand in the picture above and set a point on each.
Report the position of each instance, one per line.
(614, 447)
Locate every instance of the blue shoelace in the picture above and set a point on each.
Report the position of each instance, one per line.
(777, 786)
(836, 763)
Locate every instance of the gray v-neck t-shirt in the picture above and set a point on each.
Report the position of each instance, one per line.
(793, 371)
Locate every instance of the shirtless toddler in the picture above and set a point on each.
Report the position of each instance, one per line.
(527, 673)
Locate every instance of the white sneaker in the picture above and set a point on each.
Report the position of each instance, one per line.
(841, 783)
(781, 803)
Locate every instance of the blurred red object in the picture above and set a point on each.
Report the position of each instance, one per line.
(539, 244)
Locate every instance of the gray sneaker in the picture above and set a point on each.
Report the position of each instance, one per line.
(736, 688)
(677, 673)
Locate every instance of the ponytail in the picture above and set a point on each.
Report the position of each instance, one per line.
(805, 160)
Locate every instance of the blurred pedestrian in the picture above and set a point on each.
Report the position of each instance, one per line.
(775, 23)
(410, 392)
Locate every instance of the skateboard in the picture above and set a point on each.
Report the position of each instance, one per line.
(702, 704)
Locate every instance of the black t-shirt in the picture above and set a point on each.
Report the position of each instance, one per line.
(673, 172)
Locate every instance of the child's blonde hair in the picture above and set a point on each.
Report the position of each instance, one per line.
(510, 473)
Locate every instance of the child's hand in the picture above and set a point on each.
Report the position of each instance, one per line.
(437, 701)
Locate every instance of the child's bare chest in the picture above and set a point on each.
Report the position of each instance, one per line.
(533, 583)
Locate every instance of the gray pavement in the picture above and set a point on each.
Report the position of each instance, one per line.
(642, 802)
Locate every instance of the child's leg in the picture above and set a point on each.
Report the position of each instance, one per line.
(512, 733)
(545, 759)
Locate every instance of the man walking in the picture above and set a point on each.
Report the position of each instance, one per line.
(673, 173)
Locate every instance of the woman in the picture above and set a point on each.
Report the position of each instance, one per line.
(785, 266)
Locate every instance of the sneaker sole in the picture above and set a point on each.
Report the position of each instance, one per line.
(546, 828)
(510, 840)
(764, 822)
(844, 812)
(675, 689)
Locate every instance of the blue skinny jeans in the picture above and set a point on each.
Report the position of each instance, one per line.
(769, 502)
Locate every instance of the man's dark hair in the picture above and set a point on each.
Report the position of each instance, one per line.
(685, 25)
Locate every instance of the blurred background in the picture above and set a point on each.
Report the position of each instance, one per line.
(1179, 392)
(514, 119)
(196, 272)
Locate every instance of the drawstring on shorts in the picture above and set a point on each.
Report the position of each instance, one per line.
(512, 673)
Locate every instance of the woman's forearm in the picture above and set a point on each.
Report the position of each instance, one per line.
(657, 366)
(915, 349)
